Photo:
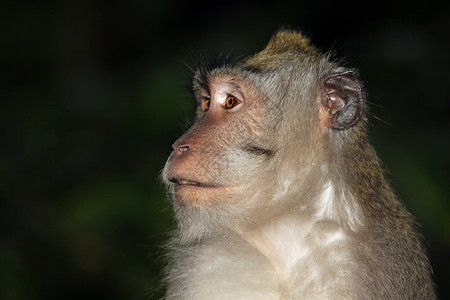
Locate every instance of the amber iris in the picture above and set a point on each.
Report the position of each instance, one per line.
(206, 105)
(231, 102)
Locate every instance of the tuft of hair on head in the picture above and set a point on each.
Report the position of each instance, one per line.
(289, 40)
(284, 46)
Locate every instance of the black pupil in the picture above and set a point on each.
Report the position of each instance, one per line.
(230, 101)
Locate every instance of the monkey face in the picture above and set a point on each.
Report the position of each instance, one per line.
(225, 146)
(257, 113)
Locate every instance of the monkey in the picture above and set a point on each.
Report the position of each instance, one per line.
(277, 192)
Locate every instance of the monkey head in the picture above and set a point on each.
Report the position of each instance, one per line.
(263, 127)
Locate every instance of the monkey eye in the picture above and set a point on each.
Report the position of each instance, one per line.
(206, 104)
(231, 102)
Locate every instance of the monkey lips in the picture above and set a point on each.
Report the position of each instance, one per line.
(194, 193)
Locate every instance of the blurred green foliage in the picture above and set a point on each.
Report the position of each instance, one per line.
(94, 93)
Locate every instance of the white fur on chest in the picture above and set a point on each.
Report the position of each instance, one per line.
(310, 250)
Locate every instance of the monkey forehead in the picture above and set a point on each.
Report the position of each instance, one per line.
(231, 79)
(260, 73)
(221, 87)
(232, 82)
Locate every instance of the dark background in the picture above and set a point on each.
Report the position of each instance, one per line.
(93, 93)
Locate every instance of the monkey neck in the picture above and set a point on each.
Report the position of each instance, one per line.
(326, 207)
(293, 236)
(356, 168)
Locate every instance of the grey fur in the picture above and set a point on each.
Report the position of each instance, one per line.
(287, 173)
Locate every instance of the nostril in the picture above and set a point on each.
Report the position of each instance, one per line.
(183, 148)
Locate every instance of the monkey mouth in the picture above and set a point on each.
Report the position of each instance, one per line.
(180, 182)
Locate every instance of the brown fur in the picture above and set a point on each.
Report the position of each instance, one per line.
(283, 197)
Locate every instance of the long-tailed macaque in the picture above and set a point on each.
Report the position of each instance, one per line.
(278, 193)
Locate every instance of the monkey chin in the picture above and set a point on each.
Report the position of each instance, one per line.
(197, 194)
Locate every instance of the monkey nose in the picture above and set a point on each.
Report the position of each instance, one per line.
(181, 149)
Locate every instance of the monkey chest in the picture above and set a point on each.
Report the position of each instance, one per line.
(314, 266)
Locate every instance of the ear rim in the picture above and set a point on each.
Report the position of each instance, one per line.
(341, 94)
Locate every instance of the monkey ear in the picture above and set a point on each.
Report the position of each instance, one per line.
(341, 99)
